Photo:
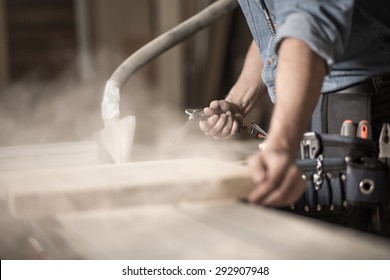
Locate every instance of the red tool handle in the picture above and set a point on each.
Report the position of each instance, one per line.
(363, 130)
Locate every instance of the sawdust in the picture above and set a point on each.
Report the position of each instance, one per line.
(67, 110)
(62, 110)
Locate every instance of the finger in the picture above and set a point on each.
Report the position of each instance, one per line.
(259, 193)
(209, 111)
(257, 168)
(235, 127)
(214, 104)
(213, 108)
(231, 127)
(218, 127)
(227, 129)
(287, 192)
(225, 105)
(218, 107)
(208, 124)
(272, 168)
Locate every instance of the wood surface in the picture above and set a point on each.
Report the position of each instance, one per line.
(224, 229)
(52, 190)
(163, 209)
(48, 155)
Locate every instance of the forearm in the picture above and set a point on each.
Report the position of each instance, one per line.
(249, 86)
(298, 84)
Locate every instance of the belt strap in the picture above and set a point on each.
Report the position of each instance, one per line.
(372, 85)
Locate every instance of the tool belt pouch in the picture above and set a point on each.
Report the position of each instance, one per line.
(341, 172)
(333, 111)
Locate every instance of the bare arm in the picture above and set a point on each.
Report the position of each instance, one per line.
(298, 84)
(249, 86)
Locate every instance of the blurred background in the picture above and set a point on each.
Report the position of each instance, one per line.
(55, 202)
(55, 57)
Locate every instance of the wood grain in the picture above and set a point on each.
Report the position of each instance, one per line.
(54, 190)
(222, 229)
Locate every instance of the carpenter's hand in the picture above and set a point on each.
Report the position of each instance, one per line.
(224, 120)
(278, 180)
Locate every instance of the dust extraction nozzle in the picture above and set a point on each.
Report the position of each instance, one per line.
(120, 132)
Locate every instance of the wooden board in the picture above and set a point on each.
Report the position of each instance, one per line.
(53, 190)
(208, 230)
(48, 155)
(87, 153)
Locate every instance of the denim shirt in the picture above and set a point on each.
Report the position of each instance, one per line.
(353, 37)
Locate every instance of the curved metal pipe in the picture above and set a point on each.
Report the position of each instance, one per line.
(110, 103)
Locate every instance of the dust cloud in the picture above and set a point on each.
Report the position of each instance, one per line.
(68, 110)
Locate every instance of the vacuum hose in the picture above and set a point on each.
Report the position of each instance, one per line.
(110, 102)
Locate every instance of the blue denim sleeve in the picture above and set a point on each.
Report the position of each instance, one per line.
(323, 25)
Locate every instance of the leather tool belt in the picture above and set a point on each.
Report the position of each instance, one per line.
(369, 100)
(346, 182)
(355, 177)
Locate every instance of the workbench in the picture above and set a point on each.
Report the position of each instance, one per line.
(132, 216)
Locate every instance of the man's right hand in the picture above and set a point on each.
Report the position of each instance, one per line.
(224, 119)
(226, 116)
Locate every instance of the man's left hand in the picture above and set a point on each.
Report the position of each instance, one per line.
(277, 178)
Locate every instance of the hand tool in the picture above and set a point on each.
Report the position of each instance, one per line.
(255, 130)
(348, 128)
(197, 114)
(364, 130)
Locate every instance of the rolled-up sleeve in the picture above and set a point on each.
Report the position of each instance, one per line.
(323, 25)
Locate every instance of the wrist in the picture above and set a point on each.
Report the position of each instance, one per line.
(280, 146)
(243, 97)
(235, 105)
(269, 146)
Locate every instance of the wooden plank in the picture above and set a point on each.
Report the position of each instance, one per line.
(86, 152)
(286, 235)
(52, 190)
(153, 232)
(48, 155)
(213, 230)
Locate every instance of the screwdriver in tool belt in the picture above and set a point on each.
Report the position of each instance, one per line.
(348, 129)
(364, 130)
